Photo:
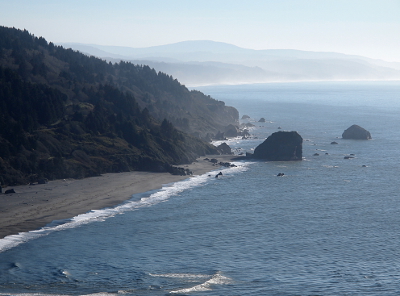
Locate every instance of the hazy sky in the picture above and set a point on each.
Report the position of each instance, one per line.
(364, 27)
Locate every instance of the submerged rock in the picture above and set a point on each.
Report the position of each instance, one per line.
(356, 132)
(280, 146)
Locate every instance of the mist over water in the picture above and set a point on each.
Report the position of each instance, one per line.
(328, 227)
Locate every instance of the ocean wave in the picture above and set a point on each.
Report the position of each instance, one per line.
(216, 279)
(181, 275)
(137, 201)
(227, 141)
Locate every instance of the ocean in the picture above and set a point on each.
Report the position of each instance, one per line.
(329, 226)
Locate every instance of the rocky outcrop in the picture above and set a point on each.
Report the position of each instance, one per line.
(224, 149)
(262, 119)
(247, 124)
(245, 134)
(280, 146)
(227, 164)
(231, 131)
(245, 117)
(173, 170)
(356, 132)
(219, 136)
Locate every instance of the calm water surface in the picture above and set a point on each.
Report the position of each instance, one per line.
(330, 226)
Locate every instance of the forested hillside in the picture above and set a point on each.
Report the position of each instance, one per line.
(64, 114)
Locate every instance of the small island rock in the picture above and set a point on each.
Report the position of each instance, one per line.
(356, 132)
(224, 149)
(280, 146)
(262, 119)
(245, 117)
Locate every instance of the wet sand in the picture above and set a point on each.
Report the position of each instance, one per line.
(34, 206)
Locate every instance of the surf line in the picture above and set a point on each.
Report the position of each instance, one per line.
(137, 201)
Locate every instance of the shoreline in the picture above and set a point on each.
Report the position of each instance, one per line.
(34, 206)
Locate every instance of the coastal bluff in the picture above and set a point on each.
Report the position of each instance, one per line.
(280, 146)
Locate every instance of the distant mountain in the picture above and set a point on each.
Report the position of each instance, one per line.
(64, 114)
(209, 62)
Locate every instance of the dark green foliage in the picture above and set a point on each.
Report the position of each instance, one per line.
(24, 106)
(64, 114)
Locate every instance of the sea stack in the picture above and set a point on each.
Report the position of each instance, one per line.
(356, 132)
(280, 146)
(224, 149)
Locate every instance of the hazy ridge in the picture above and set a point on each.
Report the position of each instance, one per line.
(208, 62)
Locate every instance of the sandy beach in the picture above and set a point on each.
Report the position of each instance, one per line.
(34, 206)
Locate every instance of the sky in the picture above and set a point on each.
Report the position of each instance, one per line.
(369, 28)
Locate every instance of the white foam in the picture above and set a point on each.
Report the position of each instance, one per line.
(216, 279)
(181, 275)
(137, 201)
(229, 140)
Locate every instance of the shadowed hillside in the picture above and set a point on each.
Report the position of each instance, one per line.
(64, 114)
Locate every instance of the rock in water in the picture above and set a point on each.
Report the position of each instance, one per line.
(224, 149)
(281, 146)
(231, 131)
(219, 136)
(356, 132)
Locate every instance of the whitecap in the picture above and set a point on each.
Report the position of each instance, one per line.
(181, 275)
(216, 279)
(227, 141)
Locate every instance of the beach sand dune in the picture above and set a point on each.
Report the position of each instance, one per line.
(34, 206)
